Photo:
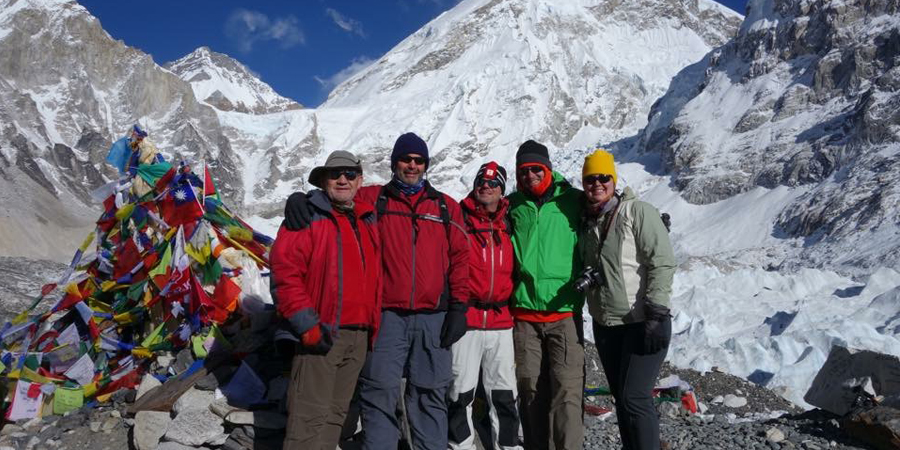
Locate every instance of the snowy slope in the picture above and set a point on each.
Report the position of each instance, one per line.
(487, 75)
(227, 85)
(805, 96)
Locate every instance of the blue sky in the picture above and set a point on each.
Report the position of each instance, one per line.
(301, 48)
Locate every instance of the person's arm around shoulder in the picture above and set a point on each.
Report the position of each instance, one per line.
(368, 194)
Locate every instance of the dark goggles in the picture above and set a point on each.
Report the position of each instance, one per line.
(406, 159)
(489, 183)
(349, 174)
(522, 171)
(591, 179)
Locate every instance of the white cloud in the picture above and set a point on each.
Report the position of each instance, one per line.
(356, 66)
(246, 28)
(345, 23)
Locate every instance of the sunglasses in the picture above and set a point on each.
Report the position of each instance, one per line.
(490, 183)
(349, 174)
(522, 171)
(419, 160)
(591, 179)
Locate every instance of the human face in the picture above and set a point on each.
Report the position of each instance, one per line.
(339, 187)
(410, 168)
(530, 176)
(487, 196)
(599, 188)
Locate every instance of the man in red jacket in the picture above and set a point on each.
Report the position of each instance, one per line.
(425, 263)
(326, 282)
(487, 347)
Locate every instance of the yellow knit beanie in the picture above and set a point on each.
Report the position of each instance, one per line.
(600, 162)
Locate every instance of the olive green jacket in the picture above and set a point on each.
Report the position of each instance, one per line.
(545, 239)
(636, 260)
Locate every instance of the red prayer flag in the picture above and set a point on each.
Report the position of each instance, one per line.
(163, 182)
(47, 289)
(34, 390)
(209, 189)
(127, 257)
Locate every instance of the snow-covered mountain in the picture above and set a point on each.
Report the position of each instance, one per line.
(67, 91)
(483, 77)
(774, 151)
(227, 85)
(805, 96)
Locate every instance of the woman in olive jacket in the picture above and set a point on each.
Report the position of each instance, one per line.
(626, 251)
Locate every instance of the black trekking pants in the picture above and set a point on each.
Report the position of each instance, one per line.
(631, 377)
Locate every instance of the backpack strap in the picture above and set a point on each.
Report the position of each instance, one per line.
(444, 211)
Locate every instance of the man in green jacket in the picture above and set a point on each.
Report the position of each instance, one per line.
(545, 213)
(626, 242)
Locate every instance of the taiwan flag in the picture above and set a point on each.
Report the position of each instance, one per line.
(180, 206)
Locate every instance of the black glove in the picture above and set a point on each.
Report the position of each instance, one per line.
(657, 327)
(455, 324)
(297, 214)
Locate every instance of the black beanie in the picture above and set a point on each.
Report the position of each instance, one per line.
(532, 152)
(409, 143)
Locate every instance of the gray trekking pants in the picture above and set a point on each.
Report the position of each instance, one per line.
(408, 345)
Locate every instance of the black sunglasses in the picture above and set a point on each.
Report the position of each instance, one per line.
(591, 179)
(420, 160)
(349, 174)
(490, 183)
(533, 169)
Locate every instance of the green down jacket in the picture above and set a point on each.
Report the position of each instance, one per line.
(636, 260)
(545, 240)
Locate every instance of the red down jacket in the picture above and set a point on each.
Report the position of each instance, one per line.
(329, 272)
(422, 270)
(491, 264)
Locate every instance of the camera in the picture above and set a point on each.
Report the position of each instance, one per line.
(589, 278)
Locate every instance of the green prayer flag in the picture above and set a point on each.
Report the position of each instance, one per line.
(151, 173)
(212, 271)
(163, 264)
(135, 291)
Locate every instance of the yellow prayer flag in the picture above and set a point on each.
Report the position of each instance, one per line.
(141, 352)
(87, 241)
(90, 389)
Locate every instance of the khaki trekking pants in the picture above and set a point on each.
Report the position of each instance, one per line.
(550, 375)
(320, 391)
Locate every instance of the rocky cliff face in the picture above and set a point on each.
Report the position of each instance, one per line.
(227, 85)
(804, 96)
(67, 91)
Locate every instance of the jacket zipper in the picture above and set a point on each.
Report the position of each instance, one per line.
(412, 294)
(491, 288)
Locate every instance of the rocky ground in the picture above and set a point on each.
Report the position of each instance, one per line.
(766, 421)
(735, 414)
(753, 417)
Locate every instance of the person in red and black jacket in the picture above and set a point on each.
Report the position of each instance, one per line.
(426, 275)
(487, 347)
(326, 282)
